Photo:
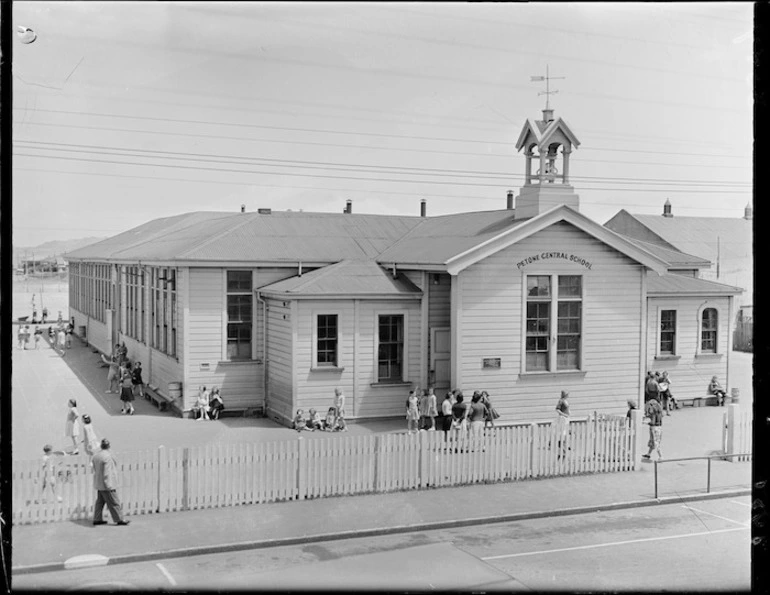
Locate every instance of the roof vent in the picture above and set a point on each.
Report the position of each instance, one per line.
(265, 211)
(423, 207)
(243, 208)
(667, 209)
(748, 212)
(348, 207)
(510, 199)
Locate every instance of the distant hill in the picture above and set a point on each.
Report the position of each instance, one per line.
(52, 249)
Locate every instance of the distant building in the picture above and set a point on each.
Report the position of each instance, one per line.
(279, 308)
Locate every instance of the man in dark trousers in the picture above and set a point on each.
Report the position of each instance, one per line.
(106, 483)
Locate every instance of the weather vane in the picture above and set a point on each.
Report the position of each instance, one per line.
(547, 78)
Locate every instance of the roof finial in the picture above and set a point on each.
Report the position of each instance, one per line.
(547, 112)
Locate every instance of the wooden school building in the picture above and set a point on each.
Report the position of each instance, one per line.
(279, 308)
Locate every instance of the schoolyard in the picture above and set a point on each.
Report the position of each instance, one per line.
(43, 381)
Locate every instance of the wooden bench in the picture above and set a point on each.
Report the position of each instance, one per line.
(697, 401)
(161, 401)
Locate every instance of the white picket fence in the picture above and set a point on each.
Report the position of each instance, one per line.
(176, 479)
(736, 433)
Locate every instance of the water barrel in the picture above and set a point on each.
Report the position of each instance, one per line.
(174, 389)
(735, 395)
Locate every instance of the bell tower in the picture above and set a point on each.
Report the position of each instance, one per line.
(542, 141)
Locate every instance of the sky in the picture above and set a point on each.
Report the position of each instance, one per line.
(126, 112)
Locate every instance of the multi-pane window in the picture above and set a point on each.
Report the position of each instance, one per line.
(708, 331)
(163, 309)
(135, 309)
(390, 351)
(240, 309)
(91, 289)
(668, 332)
(548, 309)
(326, 332)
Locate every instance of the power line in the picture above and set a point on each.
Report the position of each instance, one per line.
(348, 191)
(365, 179)
(212, 158)
(322, 131)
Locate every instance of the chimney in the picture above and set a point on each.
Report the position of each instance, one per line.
(748, 213)
(667, 209)
(243, 208)
(348, 207)
(264, 211)
(423, 207)
(547, 115)
(510, 199)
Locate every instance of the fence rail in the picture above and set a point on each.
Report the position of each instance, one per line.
(210, 476)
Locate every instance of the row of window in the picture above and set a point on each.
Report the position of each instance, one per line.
(90, 289)
(709, 325)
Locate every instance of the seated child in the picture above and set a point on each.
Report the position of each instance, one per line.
(716, 389)
(331, 419)
(314, 421)
(215, 403)
(300, 423)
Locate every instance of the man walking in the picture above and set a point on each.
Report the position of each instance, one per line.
(654, 412)
(106, 483)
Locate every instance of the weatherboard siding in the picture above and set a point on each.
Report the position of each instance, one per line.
(280, 364)
(690, 373)
(492, 326)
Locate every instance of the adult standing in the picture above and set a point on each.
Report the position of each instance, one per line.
(106, 485)
(90, 441)
(476, 417)
(562, 420)
(654, 412)
(428, 411)
(112, 373)
(339, 402)
(72, 425)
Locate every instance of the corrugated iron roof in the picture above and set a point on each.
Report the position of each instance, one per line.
(698, 235)
(674, 258)
(682, 284)
(437, 239)
(345, 278)
(279, 236)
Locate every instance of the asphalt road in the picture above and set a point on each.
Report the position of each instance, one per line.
(702, 546)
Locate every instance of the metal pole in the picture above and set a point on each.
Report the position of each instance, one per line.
(656, 479)
(708, 476)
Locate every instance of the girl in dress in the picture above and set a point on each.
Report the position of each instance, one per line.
(72, 427)
(90, 441)
(127, 391)
(412, 412)
(491, 413)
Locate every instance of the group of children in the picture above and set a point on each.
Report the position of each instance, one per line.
(122, 373)
(333, 422)
(60, 336)
(209, 404)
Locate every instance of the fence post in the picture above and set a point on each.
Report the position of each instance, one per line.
(533, 451)
(636, 439)
(301, 466)
(162, 504)
(422, 467)
(377, 462)
(186, 478)
(731, 423)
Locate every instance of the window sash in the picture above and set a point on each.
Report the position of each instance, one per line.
(390, 352)
(668, 332)
(326, 340)
(240, 314)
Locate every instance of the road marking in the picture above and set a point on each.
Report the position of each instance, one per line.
(741, 503)
(166, 573)
(614, 543)
(724, 518)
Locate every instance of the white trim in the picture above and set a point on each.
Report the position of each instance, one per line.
(424, 336)
(699, 325)
(405, 351)
(315, 313)
(675, 351)
(455, 332)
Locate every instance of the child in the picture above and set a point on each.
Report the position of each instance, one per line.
(49, 471)
(300, 423)
(90, 441)
(72, 426)
(127, 390)
(314, 421)
(201, 406)
(136, 380)
(412, 412)
(716, 389)
(215, 403)
(38, 334)
(490, 413)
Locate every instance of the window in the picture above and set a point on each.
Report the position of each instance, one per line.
(390, 352)
(566, 304)
(163, 309)
(135, 315)
(326, 346)
(708, 331)
(668, 332)
(239, 314)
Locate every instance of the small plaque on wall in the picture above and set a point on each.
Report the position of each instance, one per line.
(204, 367)
(490, 362)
